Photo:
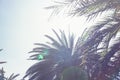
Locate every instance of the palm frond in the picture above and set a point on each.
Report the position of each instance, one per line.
(12, 76)
(2, 77)
(91, 8)
(2, 61)
(60, 55)
(110, 63)
(94, 47)
(92, 52)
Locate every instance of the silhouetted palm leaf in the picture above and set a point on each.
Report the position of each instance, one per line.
(2, 77)
(2, 62)
(98, 48)
(12, 77)
(2, 72)
(60, 56)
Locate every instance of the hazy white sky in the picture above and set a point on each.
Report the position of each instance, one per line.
(23, 23)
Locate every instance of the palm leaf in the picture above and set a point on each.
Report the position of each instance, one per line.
(2, 77)
(60, 56)
(2, 61)
(91, 8)
(94, 43)
(12, 77)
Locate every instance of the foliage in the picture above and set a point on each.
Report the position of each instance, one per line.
(74, 73)
(101, 50)
(91, 8)
(59, 58)
(2, 73)
(101, 45)
(11, 77)
(96, 52)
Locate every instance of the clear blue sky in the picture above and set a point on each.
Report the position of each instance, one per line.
(23, 23)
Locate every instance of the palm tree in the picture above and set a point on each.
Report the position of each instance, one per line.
(57, 60)
(93, 53)
(2, 77)
(102, 39)
(96, 52)
(12, 76)
(2, 73)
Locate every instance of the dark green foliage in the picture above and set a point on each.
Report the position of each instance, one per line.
(74, 73)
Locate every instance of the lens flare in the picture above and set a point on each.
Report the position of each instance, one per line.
(40, 57)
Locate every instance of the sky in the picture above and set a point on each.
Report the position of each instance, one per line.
(23, 23)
